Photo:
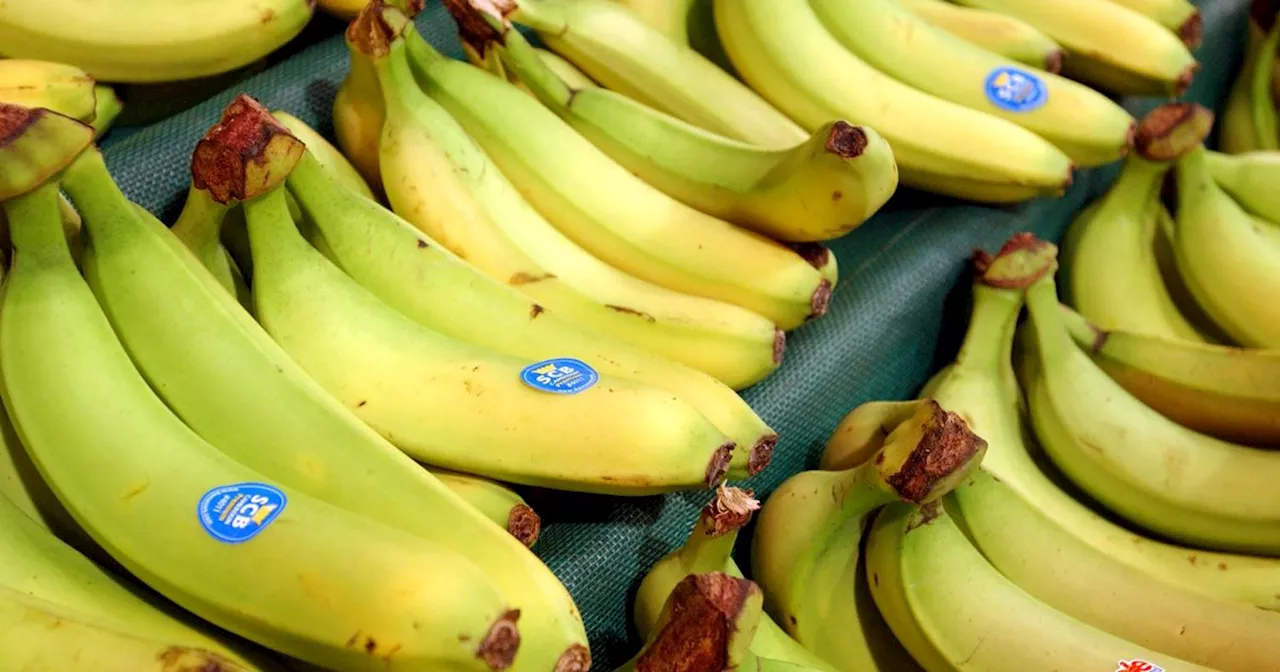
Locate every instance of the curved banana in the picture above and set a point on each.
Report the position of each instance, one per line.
(1237, 132)
(612, 213)
(305, 578)
(63, 88)
(150, 40)
(328, 155)
(1266, 125)
(997, 33)
(784, 51)
(818, 190)
(709, 548)
(34, 145)
(442, 292)
(1229, 259)
(1084, 124)
(1230, 393)
(1108, 45)
(1250, 179)
(805, 550)
(621, 51)
(952, 610)
(445, 185)
(358, 115)
(497, 502)
(1180, 16)
(981, 385)
(1137, 463)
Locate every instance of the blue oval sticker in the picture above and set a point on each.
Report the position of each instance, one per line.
(562, 375)
(234, 514)
(1016, 90)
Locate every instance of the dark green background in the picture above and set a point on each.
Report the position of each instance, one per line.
(896, 315)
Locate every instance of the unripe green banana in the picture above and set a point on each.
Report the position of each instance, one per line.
(817, 190)
(305, 578)
(1250, 179)
(998, 33)
(199, 227)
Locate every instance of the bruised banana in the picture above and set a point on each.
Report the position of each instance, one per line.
(442, 292)
(446, 186)
(784, 51)
(817, 190)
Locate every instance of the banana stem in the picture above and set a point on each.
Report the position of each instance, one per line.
(35, 226)
(990, 335)
(1139, 180)
(1052, 338)
(265, 214)
(199, 226)
(710, 544)
(521, 57)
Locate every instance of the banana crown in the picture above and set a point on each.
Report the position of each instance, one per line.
(929, 454)
(1172, 130)
(376, 27)
(1021, 261)
(707, 623)
(36, 143)
(246, 154)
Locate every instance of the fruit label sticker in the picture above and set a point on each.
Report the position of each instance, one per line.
(1015, 90)
(1138, 665)
(562, 375)
(234, 514)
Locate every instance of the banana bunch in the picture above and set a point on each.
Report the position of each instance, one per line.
(142, 41)
(1249, 118)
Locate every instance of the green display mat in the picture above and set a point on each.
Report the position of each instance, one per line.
(897, 314)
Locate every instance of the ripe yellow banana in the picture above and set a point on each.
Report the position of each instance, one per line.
(805, 551)
(62, 88)
(443, 183)
(268, 563)
(620, 50)
(817, 190)
(442, 292)
(952, 610)
(497, 502)
(34, 145)
(1229, 259)
(1087, 126)
(610, 212)
(981, 385)
(997, 33)
(358, 115)
(784, 51)
(1250, 179)
(1108, 45)
(1180, 16)
(1137, 463)
(150, 40)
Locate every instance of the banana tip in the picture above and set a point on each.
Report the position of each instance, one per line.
(718, 466)
(1192, 30)
(498, 648)
(846, 140)
(524, 524)
(1053, 62)
(761, 454)
(576, 659)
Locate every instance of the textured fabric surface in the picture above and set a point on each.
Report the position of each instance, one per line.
(897, 314)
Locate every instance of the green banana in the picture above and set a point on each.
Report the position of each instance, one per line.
(1086, 125)
(1266, 125)
(322, 585)
(708, 549)
(784, 51)
(805, 551)
(1249, 178)
(613, 214)
(199, 227)
(229, 381)
(442, 292)
(34, 145)
(981, 385)
(621, 51)
(952, 610)
(706, 625)
(328, 155)
(1137, 463)
(995, 32)
(1237, 132)
(1229, 259)
(817, 190)
(439, 180)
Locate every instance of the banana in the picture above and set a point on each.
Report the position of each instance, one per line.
(669, 17)
(1109, 260)
(1230, 393)
(1265, 122)
(230, 382)
(107, 108)
(954, 611)
(446, 186)
(981, 386)
(497, 502)
(997, 33)
(358, 114)
(805, 551)
(1229, 259)
(328, 155)
(1108, 45)
(707, 625)
(34, 145)
(784, 51)
(708, 549)
(344, 10)
(1087, 126)
(618, 49)
(1137, 463)
(442, 292)
(63, 88)
(325, 586)
(150, 40)
(817, 190)
(199, 226)
(1180, 16)
(1249, 178)
(1237, 134)
(610, 212)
